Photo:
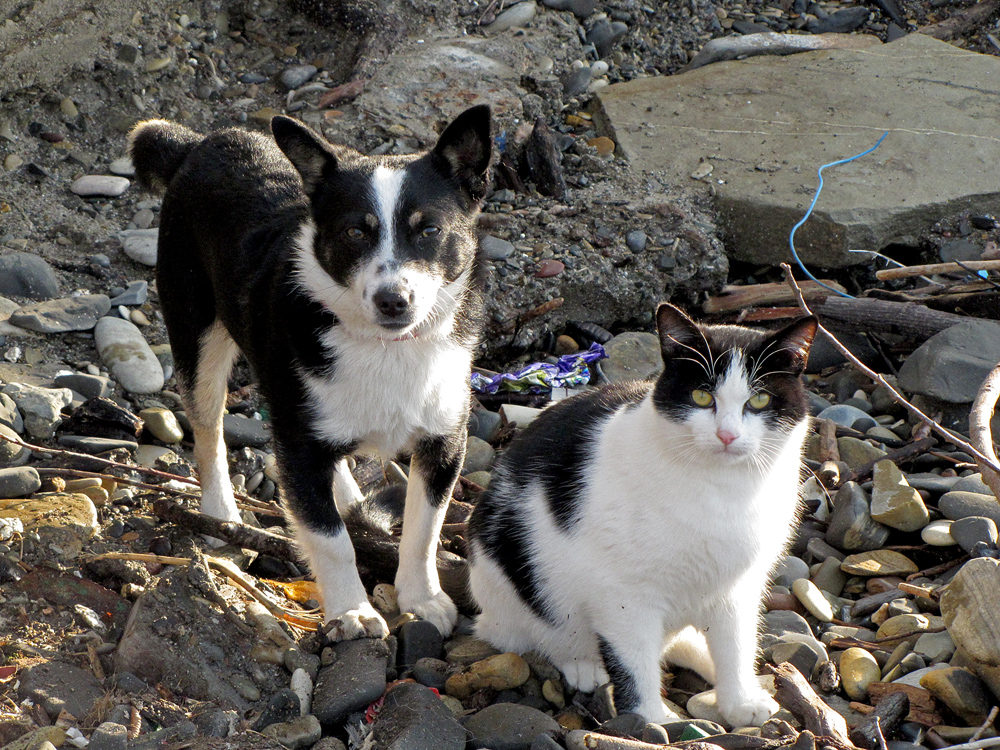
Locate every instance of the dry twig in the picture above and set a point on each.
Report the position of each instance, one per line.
(979, 427)
(896, 395)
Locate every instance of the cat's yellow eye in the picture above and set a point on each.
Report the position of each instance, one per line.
(702, 398)
(759, 400)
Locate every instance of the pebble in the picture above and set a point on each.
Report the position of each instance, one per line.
(354, 679)
(970, 607)
(905, 624)
(851, 526)
(829, 577)
(109, 736)
(136, 294)
(412, 718)
(494, 248)
(933, 645)
(803, 656)
(478, 455)
(958, 504)
(431, 672)
(282, 706)
(894, 502)
(880, 562)
(848, 416)
(95, 445)
(856, 453)
(89, 386)
(973, 530)
(11, 454)
(384, 599)
(961, 691)
(124, 351)
(705, 705)
(513, 17)
(506, 726)
(500, 672)
(858, 670)
(605, 34)
(971, 483)
(61, 315)
(57, 686)
(292, 78)
(27, 275)
(108, 186)
(631, 356)
(576, 81)
(812, 599)
(952, 364)
(418, 639)
(298, 733)
(938, 533)
(12, 162)
(636, 241)
(604, 145)
(163, 424)
(19, 481)
(579, 8)
(549, 267)
(780, 623)
(122, 166)
(41, 408)
(140, 245)
(788, 570)
(841, 22)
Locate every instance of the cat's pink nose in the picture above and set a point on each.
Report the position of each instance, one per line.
(726, 436)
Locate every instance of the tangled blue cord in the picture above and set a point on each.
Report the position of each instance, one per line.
(791, 237)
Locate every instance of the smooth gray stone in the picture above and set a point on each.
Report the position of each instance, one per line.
(140, 245)
(781, 622)
(95, 445)
(61, 315)
(972, 530)
(9, 415)
(513, 17)
(431, 672)
(238, 432)
(972, 483)
(817, 403)
(495, 248)
(762, 43)
(851, 526)
(605, 34)
(109, 736)
(957, 504)
(484, 424)
(12, 454)
(124, 351)
(848, 416)
(803, 654)
(352, 681)
(18, 481)
(27, 275)
(478, 455)
(507, 726)
(136, 294)
(636, 241)
(292, 78)
(841, 22)
(951, 365)
(414, 718)
(58, 686)
(932, 482)
(90, 386)
(418, 639)
(789, 569)
(576, 81)
(579, 8)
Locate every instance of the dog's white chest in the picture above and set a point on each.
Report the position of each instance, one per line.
(386, 395)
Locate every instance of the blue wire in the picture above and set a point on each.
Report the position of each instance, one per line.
(791, 237)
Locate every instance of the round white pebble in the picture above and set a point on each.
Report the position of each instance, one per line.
(938, 533)
(126, 353)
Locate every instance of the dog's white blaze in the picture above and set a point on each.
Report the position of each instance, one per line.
(387, 186)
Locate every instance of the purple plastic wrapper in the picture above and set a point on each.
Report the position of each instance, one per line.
(571, 370)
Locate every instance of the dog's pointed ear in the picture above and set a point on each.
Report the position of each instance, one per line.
(678, 333)
(310, 154)
(466, 146)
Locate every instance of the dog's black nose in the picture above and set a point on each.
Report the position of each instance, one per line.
(391, 302)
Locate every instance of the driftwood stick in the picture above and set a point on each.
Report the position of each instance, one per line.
(377, 553)
(979, 426)
(889, 274)
(908, 319)
(896, 395)
(897, 455)
(736, 297)
(796, 694)
(962, 22)
(985, 725)
(888, 714)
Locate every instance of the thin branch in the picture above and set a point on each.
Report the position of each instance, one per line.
(251, 502)
(980, 430)
(896, 395)
(985, 725)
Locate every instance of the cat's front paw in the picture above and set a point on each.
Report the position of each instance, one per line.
(584, 675)
(752, 711)
(363, 622)
(437, 609)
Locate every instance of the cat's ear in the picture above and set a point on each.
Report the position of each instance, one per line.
(791, 345)
(678, 333)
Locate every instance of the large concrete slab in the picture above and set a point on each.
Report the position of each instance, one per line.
(765, 124)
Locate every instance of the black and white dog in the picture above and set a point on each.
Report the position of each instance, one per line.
(352, 286)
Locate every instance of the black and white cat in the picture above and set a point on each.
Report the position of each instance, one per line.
(642, 520)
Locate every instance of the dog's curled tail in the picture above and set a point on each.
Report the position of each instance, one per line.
(158, 148)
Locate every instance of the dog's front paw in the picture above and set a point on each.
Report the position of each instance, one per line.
(363, 622)
(437, 609)
(752, 711)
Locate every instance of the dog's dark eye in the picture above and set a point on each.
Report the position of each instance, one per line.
(355, 233)
(430, 231)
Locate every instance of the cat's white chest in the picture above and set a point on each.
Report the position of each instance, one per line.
(387, 395)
